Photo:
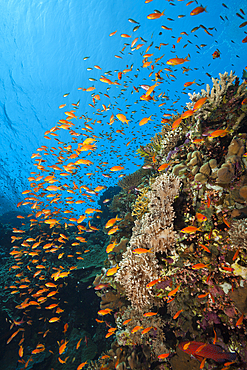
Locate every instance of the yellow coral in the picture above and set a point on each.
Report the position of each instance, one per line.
(141, 204)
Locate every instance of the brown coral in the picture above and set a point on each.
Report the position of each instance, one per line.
(155, 232)
(238, 233)
(140, 206)
(124, 333)
(132, 180)
(233, 157)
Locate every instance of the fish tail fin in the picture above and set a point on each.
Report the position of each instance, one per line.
(228, 356)
(205, 9)
(231, 356)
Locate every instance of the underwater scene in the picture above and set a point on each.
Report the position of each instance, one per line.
(123, 208)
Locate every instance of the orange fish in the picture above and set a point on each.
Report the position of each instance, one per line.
(198, 10)
(174, 291)
(21, 351)
(109, 334)
(116, 168)
(104, 312)
(177, 314)
(81, 365)
(12, 336)
(163, 166)
(38, 350)
(205, 248)
(126, 321)
(155, 15)
(136, 328)
(176, 123)
(65, 329)
(236, 254)
(189, 83)
(215, 337)
(200, 217)
(199, 104)
(208, 201)
(62, 361)
(196, 141)
(218, 133)
(141, 250)
(112, 271)
(54, 319)
(177, 61)
(190, 229)
(203, 363)
(145, 120)
(163, 355)
(112, 221)
(113, 230)
(186, 346)
(150, 90)
(203, 295)
(187, 114)
(152, 283)
(78, 343)
(144, 331)
(122, 118)
(224, 220)
(111, 246)
(149, 314)
(104, 357)
(113, 33)
(63, 347)
(198, 266)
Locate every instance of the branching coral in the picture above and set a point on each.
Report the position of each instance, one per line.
(140, 206)
(155, 232)
(153, 149)
(155, 229)
(170, 141)
(135, 272)
(215, 95)
(220, 86)
(154, 337)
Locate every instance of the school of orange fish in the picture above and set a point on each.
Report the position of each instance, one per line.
(72, 173)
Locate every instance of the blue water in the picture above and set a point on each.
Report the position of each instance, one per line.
(43, 44)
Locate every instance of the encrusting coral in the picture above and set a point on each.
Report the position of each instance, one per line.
(232, 163)
(238, 234)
